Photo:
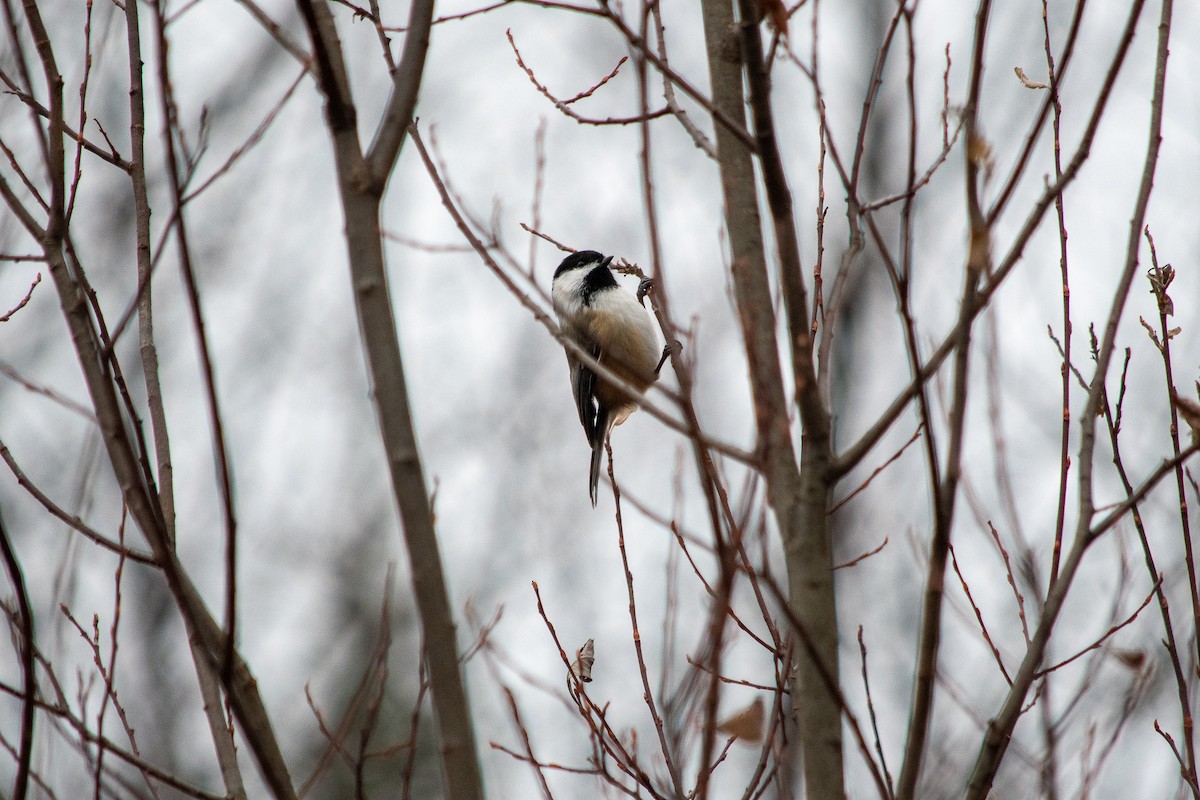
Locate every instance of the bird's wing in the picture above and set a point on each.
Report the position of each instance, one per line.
(584, 381)
(601, 428)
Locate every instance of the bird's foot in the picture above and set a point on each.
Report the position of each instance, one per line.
(645, 285)
(672, 348)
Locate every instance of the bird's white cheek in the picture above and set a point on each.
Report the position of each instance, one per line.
(566, 298)
(567, 307)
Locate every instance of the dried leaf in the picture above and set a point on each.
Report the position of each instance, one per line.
(581, 667)
(1160, 280)
(1134, 659)
(979, 150)
(1189, 409)
(1171, 334)
(776, 13)
(1024, 79)
(747, 724)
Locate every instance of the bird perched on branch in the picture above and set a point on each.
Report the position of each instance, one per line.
(610, 324)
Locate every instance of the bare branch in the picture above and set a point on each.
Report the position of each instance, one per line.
(361, 181)
(406, 80)
(24, 300)
(29, 689)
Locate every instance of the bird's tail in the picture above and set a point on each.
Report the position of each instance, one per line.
(599, 437)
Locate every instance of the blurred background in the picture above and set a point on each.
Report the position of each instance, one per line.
(503, 452)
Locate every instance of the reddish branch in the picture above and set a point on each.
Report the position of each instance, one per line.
(648, 693)
(1000, 728)
(860, 558)
(24, 301)
(878, 470)
(562, 105)
(1160, 281)
(1182, 685)
(987, 637)
(1107, 634)
(1012, 581)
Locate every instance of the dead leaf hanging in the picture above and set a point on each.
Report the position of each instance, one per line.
(746, 724)
(581, 667)
(776, 13)
(1190, 411)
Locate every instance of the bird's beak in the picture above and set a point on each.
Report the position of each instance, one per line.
(607, 260)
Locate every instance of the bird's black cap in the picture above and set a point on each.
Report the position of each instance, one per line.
(584, 258)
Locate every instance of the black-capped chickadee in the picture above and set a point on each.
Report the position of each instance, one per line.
(608, 322)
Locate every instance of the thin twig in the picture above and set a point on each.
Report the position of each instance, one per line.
(73, 521)
(562, 105)
(254, 138)
(648, 695)
(878, 470)
(987, 637)
(1096, 644)
(24, 301)
(859, 559)
(862, 649)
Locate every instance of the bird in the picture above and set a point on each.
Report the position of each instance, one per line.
(608, 322)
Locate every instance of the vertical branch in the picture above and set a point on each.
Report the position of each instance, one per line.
(720, 517)
(77, 170)
(52, 142)
(361, 181)
(945, 493)
(220, 452)
(1160, 280)
(999, 730)
(779, 201)
(1065, 438)
(749, 270)
(1050, 762)
(648, 694)
(798, 494)
(29, 689)
(133, 482)
(1108, 342)
(145, 306)
(205, 674)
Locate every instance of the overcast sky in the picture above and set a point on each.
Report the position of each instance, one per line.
(493, 407)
